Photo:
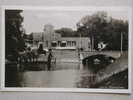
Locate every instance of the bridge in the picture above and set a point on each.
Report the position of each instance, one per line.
(114, 54)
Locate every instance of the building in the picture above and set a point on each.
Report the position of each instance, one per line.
(75, 42)
(58, 42)
(37, 37)
(53, 40)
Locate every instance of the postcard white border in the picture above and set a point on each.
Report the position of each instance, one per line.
(62, 8)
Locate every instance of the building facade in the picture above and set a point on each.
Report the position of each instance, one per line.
(58, 42)
(53, 40)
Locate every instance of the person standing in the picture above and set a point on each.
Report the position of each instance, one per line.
(49, 59)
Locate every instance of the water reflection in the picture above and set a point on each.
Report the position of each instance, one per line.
(69, 74)
(66, 73)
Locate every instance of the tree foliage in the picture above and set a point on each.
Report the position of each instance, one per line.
(67, 32)
(104, 29)
(14, 32)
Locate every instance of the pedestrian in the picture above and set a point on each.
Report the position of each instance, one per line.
(49, 59)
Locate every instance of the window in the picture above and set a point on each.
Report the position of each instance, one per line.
(63, 44)
(73, 43)
(54, 44)
(68, 43)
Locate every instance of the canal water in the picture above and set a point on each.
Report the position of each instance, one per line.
(67, 72)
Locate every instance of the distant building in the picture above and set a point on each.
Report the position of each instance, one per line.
(37, 37)
(50, 39)
(57, 41)
(77, 42)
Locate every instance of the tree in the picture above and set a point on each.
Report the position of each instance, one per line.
(115, 29)
(66, 32)
(14, 32)
(102, 28)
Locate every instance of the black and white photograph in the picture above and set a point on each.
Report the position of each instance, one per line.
(68, 48)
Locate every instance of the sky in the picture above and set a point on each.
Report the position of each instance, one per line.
(34, 20)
